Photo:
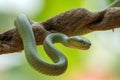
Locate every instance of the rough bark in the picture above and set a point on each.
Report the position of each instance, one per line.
(74, 22)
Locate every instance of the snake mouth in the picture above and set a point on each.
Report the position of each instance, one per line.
(85, 47)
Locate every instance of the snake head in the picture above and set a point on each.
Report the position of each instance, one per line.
(78, 42)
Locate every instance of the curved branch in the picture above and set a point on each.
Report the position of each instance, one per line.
(74, 22)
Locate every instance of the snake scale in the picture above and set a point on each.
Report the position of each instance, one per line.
(59, 65)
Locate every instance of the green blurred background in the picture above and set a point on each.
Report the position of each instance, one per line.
(100, 62)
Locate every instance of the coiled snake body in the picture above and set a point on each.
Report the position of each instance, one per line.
(59, 66)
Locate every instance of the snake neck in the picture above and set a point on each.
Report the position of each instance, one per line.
(58, 38)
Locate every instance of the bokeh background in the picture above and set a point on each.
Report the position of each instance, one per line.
(100, 62)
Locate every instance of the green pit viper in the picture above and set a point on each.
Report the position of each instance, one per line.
(59, 65)
(24, 27)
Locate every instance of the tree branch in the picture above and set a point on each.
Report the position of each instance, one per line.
(74, 22)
